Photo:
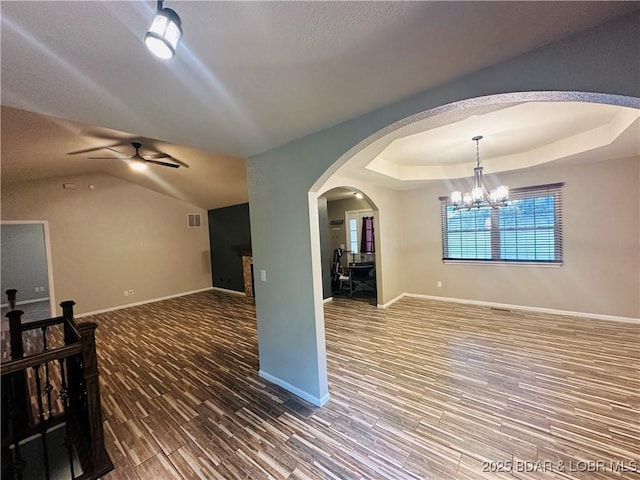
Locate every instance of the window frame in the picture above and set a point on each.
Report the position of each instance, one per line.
(537, 191)
(357, 216)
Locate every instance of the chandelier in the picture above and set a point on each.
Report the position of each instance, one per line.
(479, 197)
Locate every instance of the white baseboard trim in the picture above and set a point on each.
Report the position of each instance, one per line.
(317, 401)
(143, 302)
(25, 302)
(552, 311)
(226, 290)
(327, 300)
(392, 301)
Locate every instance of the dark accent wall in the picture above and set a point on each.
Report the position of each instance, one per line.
(230, 238)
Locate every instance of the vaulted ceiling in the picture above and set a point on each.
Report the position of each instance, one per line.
(248, 76)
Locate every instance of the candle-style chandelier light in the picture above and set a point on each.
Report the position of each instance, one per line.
(479, 196)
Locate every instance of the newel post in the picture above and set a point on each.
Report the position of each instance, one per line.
(67, 313)
(15, 332)
(15, 384)
(11, 297)
(101, 461)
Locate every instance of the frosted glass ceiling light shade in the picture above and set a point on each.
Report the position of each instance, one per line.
(138, 166)
(164, 33)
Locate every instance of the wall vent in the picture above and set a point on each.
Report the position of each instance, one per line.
(194, 220)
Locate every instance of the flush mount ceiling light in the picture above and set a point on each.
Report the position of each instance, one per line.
(479, 197)
(164, 33)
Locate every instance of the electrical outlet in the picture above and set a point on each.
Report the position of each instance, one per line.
(130, 292)
(439, 284)
(126, 293)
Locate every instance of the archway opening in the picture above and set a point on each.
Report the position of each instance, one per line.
(585, 128)
(350, 246)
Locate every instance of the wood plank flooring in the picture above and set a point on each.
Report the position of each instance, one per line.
(421, 390)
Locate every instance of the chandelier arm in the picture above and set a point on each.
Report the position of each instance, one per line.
(487, 197)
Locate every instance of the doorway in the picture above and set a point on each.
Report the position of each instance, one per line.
(350, 246)
(26, 267)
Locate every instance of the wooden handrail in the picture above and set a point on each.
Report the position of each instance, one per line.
(35, 360)
(48, 322)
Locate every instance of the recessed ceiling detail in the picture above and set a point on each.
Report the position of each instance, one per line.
(517, 136)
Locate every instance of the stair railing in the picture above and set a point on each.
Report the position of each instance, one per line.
(34, 385)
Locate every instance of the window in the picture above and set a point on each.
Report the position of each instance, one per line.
(528, 230)
(353, 235)
(354, 229)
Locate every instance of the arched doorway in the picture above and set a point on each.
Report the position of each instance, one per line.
(284, 185)
(350, 247)
(390, 264)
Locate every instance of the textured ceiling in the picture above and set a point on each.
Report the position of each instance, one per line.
(250, 76)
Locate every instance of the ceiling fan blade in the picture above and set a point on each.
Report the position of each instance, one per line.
(180, 162)
(117, 151)
(93, 149)
(164, 164)
(85, 150)
(109, 158)
(165, 155)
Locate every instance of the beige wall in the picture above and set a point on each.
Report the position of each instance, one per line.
(600, 274)
(336, 209)
(117, 237)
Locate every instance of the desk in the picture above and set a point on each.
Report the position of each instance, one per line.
(362, 277)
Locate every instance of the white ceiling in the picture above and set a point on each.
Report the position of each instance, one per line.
(513, 137)
(248, 76)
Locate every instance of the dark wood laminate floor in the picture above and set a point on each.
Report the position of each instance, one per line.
(421, 390)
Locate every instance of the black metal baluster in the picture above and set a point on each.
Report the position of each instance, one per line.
(44, 339)
(48, 388)
(64, 396)
(43, 423)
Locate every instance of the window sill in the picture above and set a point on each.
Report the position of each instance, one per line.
(506, 264)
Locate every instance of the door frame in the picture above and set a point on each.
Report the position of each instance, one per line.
(47, 252)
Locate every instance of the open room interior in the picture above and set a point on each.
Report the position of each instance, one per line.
(321, 240)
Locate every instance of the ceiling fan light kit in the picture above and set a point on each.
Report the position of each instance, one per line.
(164, 33)
(137, 165)
(480, 197)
